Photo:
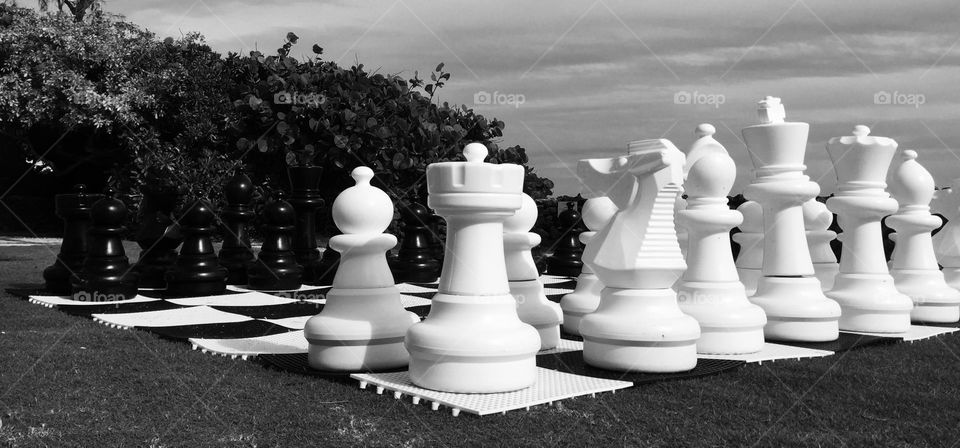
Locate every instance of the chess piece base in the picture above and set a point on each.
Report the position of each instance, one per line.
(750, 278)
(582, 301)
(640, 330)
(729, 323)
(933, 299)
(797, 310)
(535, 309)
(826, 273)
(346, 336)
(473, 344)
(262, 278)
(210, 284)
(871, 303)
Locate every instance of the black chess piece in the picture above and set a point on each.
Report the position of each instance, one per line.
(305, 199)
(158, 237)
(106, 275)
(197, 271)
(276, 268)
(436, 236)
(415, 262)
(236, 254)
(567, 253)
(327, 268)
(74, 210)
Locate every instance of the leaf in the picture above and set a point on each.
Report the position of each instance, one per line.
(398, 159)
(439, 67)
(254, 102)
(262, 145)
(293, 38)
(341, 141)
(242, 144)
(428, 88)
(283, 127)
(371, 122)
(317, 49)
(291, 158)
(314, 123)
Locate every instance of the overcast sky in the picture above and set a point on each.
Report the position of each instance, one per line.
(594, 75)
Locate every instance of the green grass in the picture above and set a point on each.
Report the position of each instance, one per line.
(67, 381)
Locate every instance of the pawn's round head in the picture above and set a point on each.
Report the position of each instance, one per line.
(362, 208)
(711, 176)
(415, 212)
(911, 183)
(198, 215)
(816, 215)
(752, 213)
(109, 211)
(704, 130)
(524, 219)
(239, 189)
(597, 212)
(279, 212)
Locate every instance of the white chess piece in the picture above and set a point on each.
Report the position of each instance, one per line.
(703, 145)
(597, 212)
(533, 307)
(638, 325)
(913, 263)
(817, 219)
(710, 289)
(363, 324)
(946, 243)
(473, 341)
(750, 239)
(788, 292)
(864, 288)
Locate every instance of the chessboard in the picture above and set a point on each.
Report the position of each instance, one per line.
(267, 328)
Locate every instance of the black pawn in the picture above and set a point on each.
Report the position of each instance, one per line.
(415, 262)
(327, 267)
(74, 209)
(157, 242)
(276, 268)
(436, 241)
(565, 260)
(305, 199)
(236, 254)
(197, 271)
(106, 275)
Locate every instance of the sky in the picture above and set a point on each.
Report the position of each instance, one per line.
(581, 79)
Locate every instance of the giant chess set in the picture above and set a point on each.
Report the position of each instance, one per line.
(477, 328)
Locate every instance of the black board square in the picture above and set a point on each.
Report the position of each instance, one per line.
(846, 341)
(422, 295)
(297, 363)
(281, 311)
(224, 330)
(118, 308)
(572, 362)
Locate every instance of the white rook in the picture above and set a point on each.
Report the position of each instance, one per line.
(473, 341)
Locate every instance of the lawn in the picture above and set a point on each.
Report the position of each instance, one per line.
(66, 380)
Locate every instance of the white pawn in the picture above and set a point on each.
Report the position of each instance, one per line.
(913, 263)
(710, 289)
(703, 145)
(533, 307)
(817, 219)
(750, 239)
(363, 324)
(864, 288)
(946, 243)
(638, 325)
(597, 212)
